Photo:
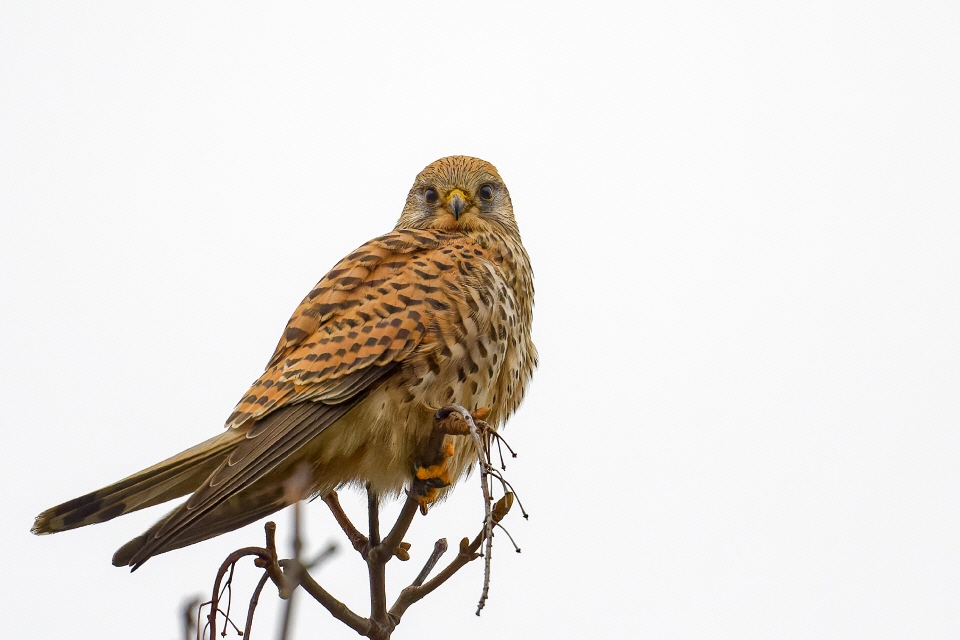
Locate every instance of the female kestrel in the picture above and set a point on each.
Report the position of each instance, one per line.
(434, 312)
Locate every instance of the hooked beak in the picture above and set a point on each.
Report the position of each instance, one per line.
(457, 202)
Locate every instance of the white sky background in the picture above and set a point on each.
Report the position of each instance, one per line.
(744, 226)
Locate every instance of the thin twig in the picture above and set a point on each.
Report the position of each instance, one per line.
(483, 453)
(439, 548)
(188, 618)
(228, 564)
(327, 552)
(501, 440)
(508, 488)
(228, 589)
(297, 544)
(415, 593)
(512, 541)
(265, 558)
(287, 617)
(254, 600)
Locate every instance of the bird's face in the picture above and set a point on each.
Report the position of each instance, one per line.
(459, 193)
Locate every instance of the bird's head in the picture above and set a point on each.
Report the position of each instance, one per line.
(459, 193)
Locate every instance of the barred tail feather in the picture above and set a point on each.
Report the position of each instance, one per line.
(172, 478)
(248, 506)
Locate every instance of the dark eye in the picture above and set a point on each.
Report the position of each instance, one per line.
(486, 192)
(431, 196)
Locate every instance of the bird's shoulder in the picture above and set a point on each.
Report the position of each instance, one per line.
(403, 270)
(370, 311)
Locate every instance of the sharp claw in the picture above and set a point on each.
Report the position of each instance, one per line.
(428, 480)
(480, 413)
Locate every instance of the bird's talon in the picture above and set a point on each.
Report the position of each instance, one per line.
(481, 413)
(428, 480)
(426, 499)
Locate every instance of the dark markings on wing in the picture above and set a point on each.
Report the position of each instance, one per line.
(273, 440)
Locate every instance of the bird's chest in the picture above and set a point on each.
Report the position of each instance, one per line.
(475, 360)
(474, 352)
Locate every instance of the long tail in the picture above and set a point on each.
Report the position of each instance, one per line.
(172, 478)
(248, 506)
(246, 486)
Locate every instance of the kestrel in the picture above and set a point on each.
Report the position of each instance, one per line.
(436, 311)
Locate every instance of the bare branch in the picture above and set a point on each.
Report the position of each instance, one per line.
(357, 539)
(414, 593)
(453, 420)
(327, 552)
(339, 610)
(439, 548)
(376, 564)
(265, 558)
(254, 600)
(188, 618)
(296, 544)
(390, 544)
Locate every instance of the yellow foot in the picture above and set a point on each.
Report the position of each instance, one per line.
(429, 480)
(481, 413)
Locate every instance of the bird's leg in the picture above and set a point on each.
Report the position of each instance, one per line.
(431, 472)
(431, 475)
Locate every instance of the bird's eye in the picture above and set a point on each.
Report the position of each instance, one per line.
(430, 196)
(486, 192)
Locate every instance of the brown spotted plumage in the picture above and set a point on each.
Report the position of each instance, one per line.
(434, 312)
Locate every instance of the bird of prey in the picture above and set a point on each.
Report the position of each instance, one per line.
(435, 312)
